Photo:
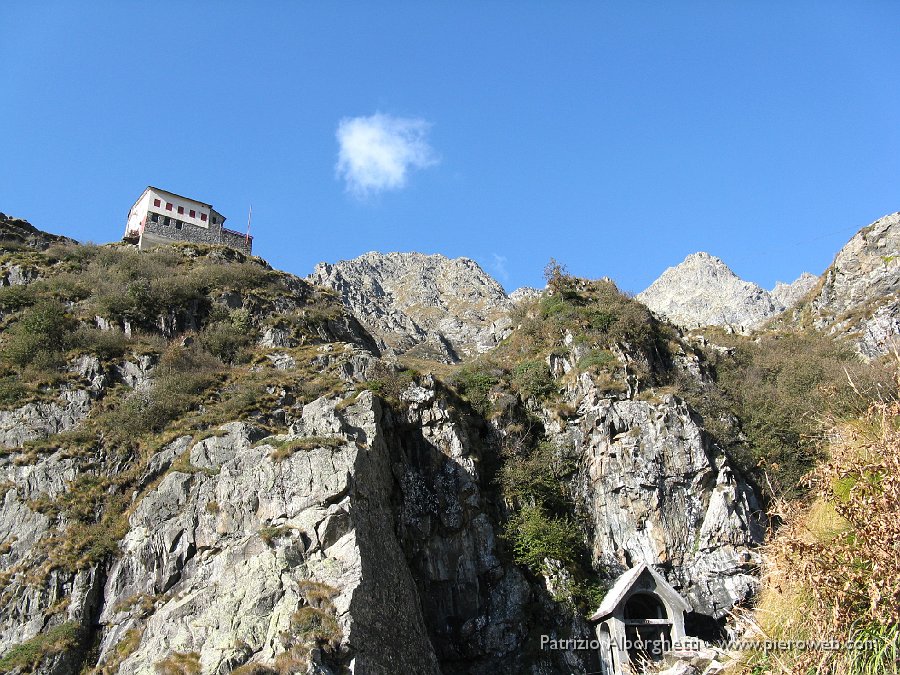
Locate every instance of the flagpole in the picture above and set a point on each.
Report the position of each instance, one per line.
(249, 217)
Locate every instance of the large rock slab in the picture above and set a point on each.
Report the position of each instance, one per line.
(442, 308)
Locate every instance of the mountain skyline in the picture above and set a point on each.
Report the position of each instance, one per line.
(616, 139)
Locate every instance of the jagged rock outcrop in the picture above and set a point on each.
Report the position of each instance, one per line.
(386, 509)
(703, 291)
(524, 293)
(427, 305)
(789, 295)
(657, 490)
(40, 419)
(859, 292)
(223, 552)
(384, 512)
(18, 232)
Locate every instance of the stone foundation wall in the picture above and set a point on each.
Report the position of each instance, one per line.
(214, 234)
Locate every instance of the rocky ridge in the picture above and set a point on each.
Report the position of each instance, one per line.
(703, 291)
(421, 305)
(17, 232)
(858, 296)
(790, 295)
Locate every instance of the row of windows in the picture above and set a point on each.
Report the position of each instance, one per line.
(193, 214)
(156, 218)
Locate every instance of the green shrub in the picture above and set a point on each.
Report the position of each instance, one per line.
(389, 382)
(104, 344)
(66, 287)
(531, 379)
(536, 537)
(183, 376)
(12, 391)
(474, 383)
(28, 655)
(785, 388)
(226, 340)
(241, 319)
(14, 298)
(537, 477)
(596, 359)
(39, 336)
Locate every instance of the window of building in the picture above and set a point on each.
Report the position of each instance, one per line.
(154, 217)
(168, 206)
(193, 213)
(180, 209)
(155, 202)
(214, 220)
(178, 224)
(203, 217)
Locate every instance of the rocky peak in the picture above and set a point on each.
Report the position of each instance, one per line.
(859, 293)
(427, 305)
(789, 295)
(703, 291)
(524, 293)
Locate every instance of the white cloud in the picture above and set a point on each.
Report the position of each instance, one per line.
(378, 152)
(499, 268)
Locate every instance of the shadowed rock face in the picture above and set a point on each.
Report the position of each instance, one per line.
(426, 305)
(393, 518)
(859, 291)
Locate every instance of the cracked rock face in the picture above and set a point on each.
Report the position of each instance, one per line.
(656, 490)
(392, 517)
(222, 552)
(424, 304)
(395, 510)
(36, 420)
(859, 293)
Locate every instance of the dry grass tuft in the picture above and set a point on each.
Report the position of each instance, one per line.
(833, 570)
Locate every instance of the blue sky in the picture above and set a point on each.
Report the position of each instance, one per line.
(615, 137)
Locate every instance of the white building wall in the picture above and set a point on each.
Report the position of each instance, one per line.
(187, 205)
(168, 205)
(136, 215)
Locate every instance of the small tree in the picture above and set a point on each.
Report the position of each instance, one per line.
(556, 275)
(40, 336)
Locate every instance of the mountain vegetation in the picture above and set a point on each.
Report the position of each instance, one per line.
(208, 465)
